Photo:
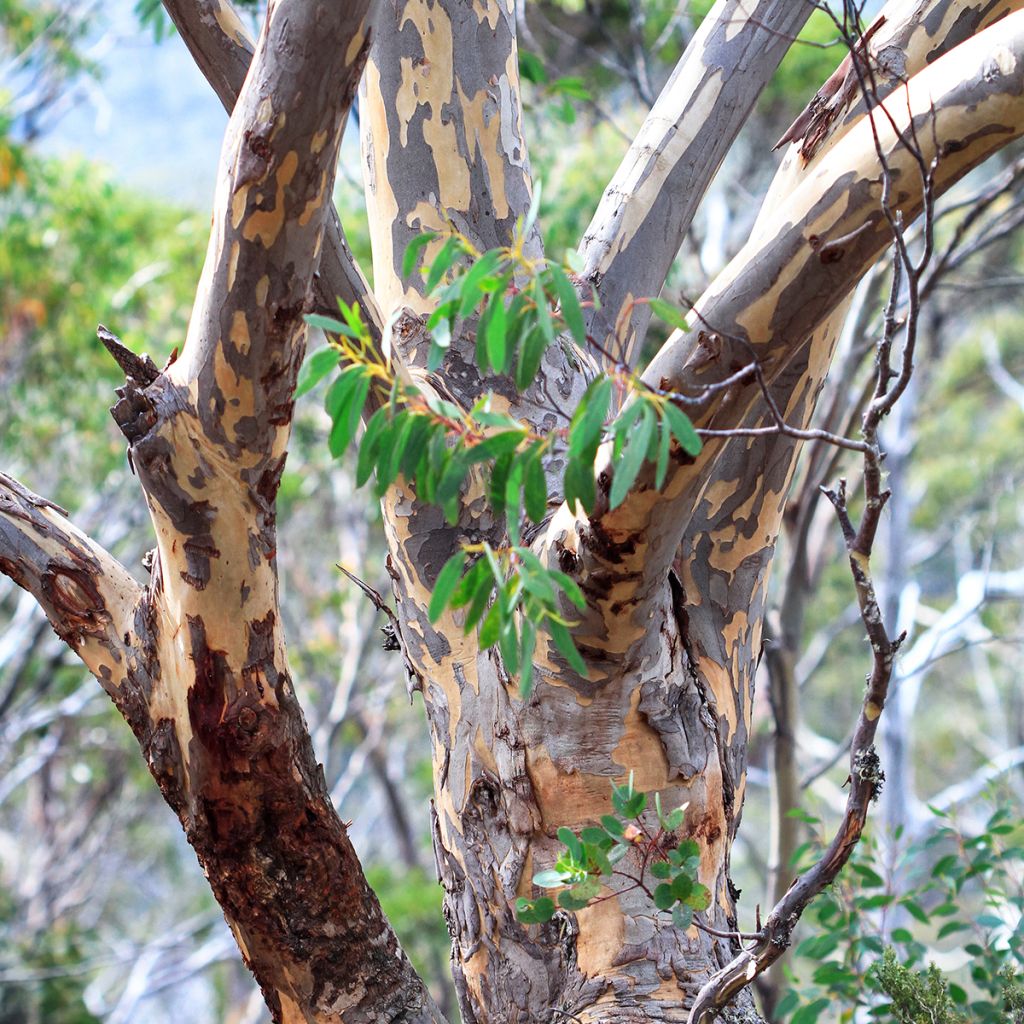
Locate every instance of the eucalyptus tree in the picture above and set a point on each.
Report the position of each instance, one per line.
(653, 690)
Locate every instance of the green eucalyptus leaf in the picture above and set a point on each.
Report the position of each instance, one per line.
(387, 468)
(674, 819)
(570, 588)
(613, 826)
(453, 476)
(700, 897)
(564, 643)
(442, 262)
(569, 301)
(617, 852)
(531, 351)
(415, 445)
(479, 601)
(498, 480)
(569, 901)
(471, 289)
(599, 856)
(664, 447)
(344, 403)
(588, 419)
(315, 368)
(353, 318)
(368, 447)
(329, 325)
(531, 68)
(536, 911)
(635, 805)
(540, 297)
(663, 898)
(491, 627)
(469, 583)
(571, 842)
(682, 916)
(588, 889)
(412, 251)
(627, 469)
(688, 849)
(495, 335)
(535, 487)
(495, 446)
(508, 644)
(682, 886)
(527, 642)
(578, 484)
(682, 428)
(444, 587)
(669, 314)
(549, 879)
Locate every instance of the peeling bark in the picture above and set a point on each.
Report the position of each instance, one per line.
(675, 580)
(649, 205)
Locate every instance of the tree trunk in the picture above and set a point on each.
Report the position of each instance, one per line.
(675, 578)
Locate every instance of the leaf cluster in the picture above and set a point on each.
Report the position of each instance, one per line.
(874, 939)
(557, 94)
(587, 863)
(509, 594)
(517, 307)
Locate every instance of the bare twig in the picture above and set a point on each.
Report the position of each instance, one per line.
(866, 775)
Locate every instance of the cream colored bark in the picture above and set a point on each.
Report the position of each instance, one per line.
(203, 676)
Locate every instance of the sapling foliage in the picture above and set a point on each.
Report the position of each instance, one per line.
(666, 871)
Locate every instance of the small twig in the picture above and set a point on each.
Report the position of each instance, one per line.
(392, 640)
(139, 368)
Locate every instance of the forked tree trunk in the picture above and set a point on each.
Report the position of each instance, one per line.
(196, 660)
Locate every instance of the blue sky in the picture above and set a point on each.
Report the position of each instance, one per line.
(151, 117)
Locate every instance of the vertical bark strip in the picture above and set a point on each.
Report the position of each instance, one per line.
(649, 205)
(222, 50)
(442, 134)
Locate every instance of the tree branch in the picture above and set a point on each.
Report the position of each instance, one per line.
(222, 50)
(777, 292)
(443, 139)
(89, 597)
(225, 736)
(899, 43)
(649, 205)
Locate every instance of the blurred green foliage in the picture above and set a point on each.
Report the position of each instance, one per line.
(49, 991)
(77, 250)
(412, 901)
(955, 897)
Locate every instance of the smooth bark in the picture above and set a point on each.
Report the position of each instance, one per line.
(203, 676)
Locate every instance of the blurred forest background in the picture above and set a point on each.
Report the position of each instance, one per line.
(108, 149)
